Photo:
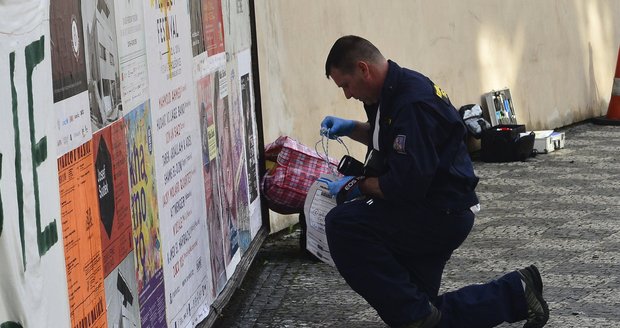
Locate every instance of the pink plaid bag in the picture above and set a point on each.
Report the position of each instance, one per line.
(291, 169)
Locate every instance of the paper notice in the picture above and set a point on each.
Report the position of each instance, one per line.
(318, 203)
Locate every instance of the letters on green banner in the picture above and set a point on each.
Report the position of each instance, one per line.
(48, 236)
(10, 324)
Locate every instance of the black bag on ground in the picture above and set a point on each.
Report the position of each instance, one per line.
(504, 143)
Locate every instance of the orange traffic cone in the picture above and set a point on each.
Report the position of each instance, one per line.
(613, 111)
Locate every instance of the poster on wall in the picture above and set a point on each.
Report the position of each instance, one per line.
(208, 98)
(237, 28)
(112, 179)
(31, 251)
(213, 26)
(69, 75)
(110, 164)
(121, 291)
(251, 139)
(195, 11)
(131, 52)
(234, 130)
(176, 139)
(81, 237)
(145, 217)
(226, 176)
(101, 62)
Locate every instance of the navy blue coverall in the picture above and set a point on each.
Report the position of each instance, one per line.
(393, 251)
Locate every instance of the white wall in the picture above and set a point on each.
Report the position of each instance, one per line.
(558, 57)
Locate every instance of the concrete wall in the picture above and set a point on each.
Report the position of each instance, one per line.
(558, 57)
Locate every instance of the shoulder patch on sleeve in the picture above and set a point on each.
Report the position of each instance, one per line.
(441, 94)
(399, 144)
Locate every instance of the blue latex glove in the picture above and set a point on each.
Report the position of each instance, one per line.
(345, 189)
(324, 180)
(334, 127)
(335, 186)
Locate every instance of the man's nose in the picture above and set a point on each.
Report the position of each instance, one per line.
(347, 94)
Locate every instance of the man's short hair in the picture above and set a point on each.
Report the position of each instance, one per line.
(347, 51)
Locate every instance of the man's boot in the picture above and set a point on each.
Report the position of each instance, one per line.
(537, 308)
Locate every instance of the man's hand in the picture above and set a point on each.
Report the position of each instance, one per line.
(345, 189)
(334, 127)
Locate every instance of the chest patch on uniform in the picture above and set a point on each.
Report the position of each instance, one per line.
(399, 144)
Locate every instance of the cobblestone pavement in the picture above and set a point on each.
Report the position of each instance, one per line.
(560, 211)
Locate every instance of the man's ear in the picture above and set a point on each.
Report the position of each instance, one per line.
(364, 68)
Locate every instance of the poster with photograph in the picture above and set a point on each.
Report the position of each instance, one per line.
(178, 160)
(67, 49)
(69, 75)
(215, 226)
(33, 275)
(210, 95)
(81, 237)
(110, 148)
(226, 174)
(204, 95)
(251, 139)
(145, 217)
(208, 98)
(195, 11)
(235, 127)
(131, 52)
(121, 291)
(237, 28)
(213, 26)
(102, 62)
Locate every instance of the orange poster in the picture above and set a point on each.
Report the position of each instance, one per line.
(81, 237)
(110, 163)
(213, 26)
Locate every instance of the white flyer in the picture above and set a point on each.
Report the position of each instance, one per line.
(318, 203)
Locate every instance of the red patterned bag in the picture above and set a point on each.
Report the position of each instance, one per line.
(291, 169)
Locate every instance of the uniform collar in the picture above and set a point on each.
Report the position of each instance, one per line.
(389, 86)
